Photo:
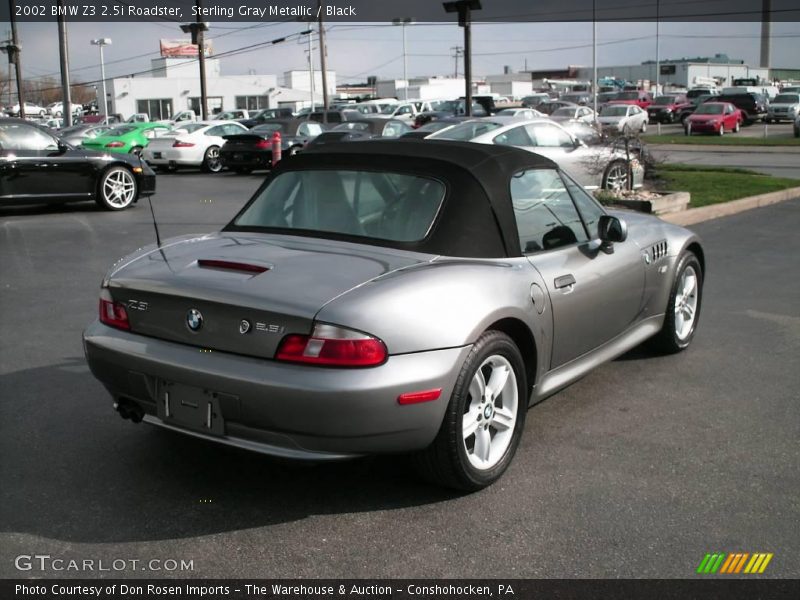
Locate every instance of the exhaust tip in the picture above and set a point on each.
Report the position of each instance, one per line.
(129, 410)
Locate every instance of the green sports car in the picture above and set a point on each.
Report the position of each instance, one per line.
(128, 137)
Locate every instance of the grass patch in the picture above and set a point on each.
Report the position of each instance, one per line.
(712, 185)
(725, 140)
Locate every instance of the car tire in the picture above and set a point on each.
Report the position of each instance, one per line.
(737, 127)
(644, 127)
(616, 176)
(42, 114)
(476, 460)
(684, 301)
(721, 130)
(688, 129)
(117, 189)
(211, 161)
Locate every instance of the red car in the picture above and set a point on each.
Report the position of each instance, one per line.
(714, 117)
(639, 98)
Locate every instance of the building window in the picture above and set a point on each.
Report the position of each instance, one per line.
(214, 105)
(252, 102)
(155, 109)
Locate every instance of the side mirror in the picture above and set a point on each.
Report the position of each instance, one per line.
(63, 146)
(612, 229)
(577, 143)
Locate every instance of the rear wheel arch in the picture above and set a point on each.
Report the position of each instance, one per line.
(521, 335)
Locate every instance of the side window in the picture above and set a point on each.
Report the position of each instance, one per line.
(309, 129)
(404, 110)
(546, 135)
(513, 137)
(217, 131)
(233, 129)
(588, 207)
(546, 216)
(14, 136)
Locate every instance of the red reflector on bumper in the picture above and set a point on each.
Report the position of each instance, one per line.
(417, 397)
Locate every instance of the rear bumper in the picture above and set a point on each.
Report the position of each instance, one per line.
(294, 411)
(247, 159)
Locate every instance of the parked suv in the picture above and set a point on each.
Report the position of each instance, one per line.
(752, 105)
(784, 107)
(668, 108)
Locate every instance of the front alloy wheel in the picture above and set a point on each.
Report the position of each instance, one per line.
(484, 419)
(683, 308)
(117, 189)
(616, 176)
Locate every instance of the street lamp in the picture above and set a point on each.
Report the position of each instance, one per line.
(403, 21)
(102, 42)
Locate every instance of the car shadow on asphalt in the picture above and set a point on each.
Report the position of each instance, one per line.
(73, 470)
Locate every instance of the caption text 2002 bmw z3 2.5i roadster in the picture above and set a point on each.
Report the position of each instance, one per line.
(399, 296)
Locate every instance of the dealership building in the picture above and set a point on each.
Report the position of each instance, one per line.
(173, 84)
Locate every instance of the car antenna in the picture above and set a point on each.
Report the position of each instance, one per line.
(155, 223)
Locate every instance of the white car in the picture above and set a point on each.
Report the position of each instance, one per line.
(624, 118)
(521, 113)
(56, 109)
(583, 114)
(591, 166)
(191, 145)
(31, 110)
(784, 107)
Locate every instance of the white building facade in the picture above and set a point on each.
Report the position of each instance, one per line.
(174, 85)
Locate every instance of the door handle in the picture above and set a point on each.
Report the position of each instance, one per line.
(565, 281)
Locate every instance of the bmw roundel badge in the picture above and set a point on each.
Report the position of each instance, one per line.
(194, 319)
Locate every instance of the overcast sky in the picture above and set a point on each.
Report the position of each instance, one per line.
(356, 51)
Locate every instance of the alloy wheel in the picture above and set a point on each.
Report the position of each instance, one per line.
(490, 415)
(119, 188)
(686, 303)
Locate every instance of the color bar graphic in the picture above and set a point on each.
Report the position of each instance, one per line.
(734, 563)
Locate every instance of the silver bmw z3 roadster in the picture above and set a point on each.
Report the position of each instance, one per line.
(391, 296)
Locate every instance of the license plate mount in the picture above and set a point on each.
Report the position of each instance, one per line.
(190, 407)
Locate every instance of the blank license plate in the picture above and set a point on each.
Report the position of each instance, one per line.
(190, 407)
(156, 154)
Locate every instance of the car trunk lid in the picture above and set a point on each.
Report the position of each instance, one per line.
(250, 290)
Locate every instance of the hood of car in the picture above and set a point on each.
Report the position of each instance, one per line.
(276, 282)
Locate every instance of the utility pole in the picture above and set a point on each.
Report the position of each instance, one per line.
(323, 63)
(457, 51)
(594, 57)
(658, 52)
(102, 43)
(14, 51)
(403, 22)
(198, 30)
(63, 52)
(311, 65)
(464, 9)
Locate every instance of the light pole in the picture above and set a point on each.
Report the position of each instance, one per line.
(403, 21)
(464, 9)
(101, 43)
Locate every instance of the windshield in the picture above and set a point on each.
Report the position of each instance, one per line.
(628, 96)
(566, 111)
(468, 131)
(786, 99)
(614, 111)
(697, 92)
(709, 109)
(664, 100)
(388, 109)
(373, 204)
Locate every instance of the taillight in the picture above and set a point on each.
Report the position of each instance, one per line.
(180, 144)
(113, 313)
(115, 145)
(333, 346)
(263, 145)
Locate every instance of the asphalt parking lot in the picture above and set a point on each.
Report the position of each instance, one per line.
(637, 470)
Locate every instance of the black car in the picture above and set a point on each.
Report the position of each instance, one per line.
(754, 106)
(334, 116)
(246, 152)
(363, 129)
(266, 115)
(447, 109)
(36, 166)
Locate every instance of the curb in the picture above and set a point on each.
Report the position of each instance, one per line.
(724, 149)
(724, 209)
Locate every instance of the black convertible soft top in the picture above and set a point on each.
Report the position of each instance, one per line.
(476, 219)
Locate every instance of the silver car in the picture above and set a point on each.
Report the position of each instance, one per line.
(592, 166)
(784, 107)
(390, 296)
